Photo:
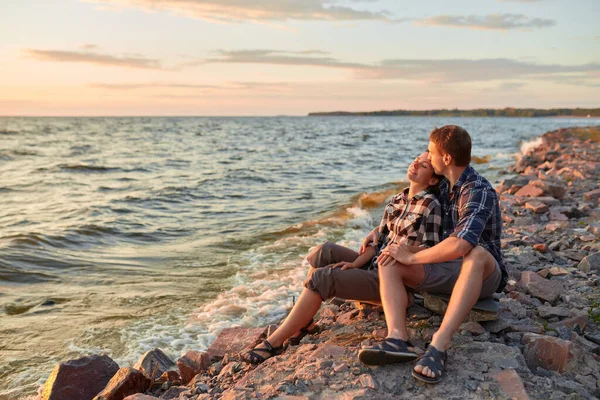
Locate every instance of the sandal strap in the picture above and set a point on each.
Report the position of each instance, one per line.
(435, 360)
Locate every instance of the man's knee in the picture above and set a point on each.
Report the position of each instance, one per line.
(320, 255)
(479, 259)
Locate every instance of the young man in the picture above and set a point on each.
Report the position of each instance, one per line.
(467, 263)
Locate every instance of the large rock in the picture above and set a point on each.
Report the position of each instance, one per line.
(154, 359)
(543, 289)
(192, 363)
(549, 352)
(234, 340)
(127, 381)
(590, 263)
(79, 379)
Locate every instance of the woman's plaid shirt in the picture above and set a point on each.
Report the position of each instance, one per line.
(414, 222)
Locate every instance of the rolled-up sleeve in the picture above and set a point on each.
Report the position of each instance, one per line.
(474, 209)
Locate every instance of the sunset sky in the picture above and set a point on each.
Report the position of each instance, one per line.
(274, 57)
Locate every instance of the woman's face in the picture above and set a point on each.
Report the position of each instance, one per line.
(420, 170)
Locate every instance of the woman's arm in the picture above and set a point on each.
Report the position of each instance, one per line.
(361, 260)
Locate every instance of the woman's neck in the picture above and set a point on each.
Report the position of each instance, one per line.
(415, 188)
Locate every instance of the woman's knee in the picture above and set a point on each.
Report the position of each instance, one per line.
(319, 256)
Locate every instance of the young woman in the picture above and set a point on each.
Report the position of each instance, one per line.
(413, 217)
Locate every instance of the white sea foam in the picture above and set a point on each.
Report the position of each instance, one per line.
(526, 147)
(269, 277)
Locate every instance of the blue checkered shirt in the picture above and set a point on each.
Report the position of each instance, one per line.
(472, 212)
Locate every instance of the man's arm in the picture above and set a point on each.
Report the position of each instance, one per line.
(449, 249)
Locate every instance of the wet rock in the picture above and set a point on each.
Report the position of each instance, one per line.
(590, 263)
(154, 362)
(125, 382)
(549, 353)
(192, 363)
(234, 340)
(511, 384)
(82, 378)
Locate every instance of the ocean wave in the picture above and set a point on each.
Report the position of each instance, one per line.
(527, 146)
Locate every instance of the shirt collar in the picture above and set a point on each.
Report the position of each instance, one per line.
(418, 196)
(463, 178)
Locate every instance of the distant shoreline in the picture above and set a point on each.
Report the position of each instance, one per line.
(584, 113)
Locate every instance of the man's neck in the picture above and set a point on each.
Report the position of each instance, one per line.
(453, 174)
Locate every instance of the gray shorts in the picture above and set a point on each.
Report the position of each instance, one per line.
(441, 277)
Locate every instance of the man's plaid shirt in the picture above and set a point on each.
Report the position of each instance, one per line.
(415, 222)
(472, 213)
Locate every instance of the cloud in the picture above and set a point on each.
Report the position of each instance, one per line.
(501, 22)
(179, 85)
(461, 70)
(93, 58)
(278, 57)
(419, 70)
(257, 11)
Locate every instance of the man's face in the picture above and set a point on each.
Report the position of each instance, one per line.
(436, 158)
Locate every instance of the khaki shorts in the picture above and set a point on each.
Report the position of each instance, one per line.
(441, 278)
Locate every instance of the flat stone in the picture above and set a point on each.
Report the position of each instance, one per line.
(551, 201)
(154, 359)
(593, 195)
(234, 340)
(530, 190)
(125, 382)
(327, 351)
(579, 321)
(473, 328)
(590, 263)
(543, 289)
(558, 271)
(140, 396)
(511, 384)
(549, 312)
(347, 317)
(192, 363)
(550, 353)
(537, 206)
(439, 305)
(82, 378)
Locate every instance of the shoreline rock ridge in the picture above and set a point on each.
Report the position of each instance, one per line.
(543, 342)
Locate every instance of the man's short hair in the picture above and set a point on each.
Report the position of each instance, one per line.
(453, 140)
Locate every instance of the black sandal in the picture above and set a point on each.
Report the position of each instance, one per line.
(389, 351)
(295, 340)
(254, 358)
(435, 360)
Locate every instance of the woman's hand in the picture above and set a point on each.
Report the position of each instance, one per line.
(344, 265)
(372, 237)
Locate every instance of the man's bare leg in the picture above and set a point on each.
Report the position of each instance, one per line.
(476, 266)
(394, 298)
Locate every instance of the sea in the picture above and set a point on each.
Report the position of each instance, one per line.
(119, 235)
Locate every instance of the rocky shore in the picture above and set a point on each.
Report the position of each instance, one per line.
(542, 342)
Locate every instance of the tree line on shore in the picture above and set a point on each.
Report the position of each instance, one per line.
(479, 112)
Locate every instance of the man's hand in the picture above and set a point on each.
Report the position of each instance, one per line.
(372, 237)
(343, 265)
(400, 252)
